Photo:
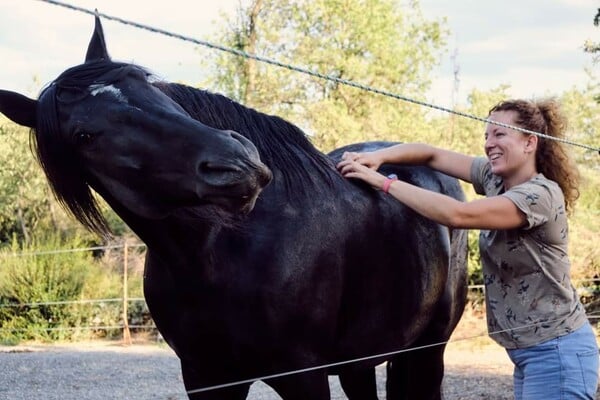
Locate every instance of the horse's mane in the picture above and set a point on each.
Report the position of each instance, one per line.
(282, 146)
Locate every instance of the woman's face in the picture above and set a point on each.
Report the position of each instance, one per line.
(506, 149)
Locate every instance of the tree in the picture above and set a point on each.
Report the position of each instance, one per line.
(465, 134)
(375, 42)
(23, 193)
(583, 111)
(593, 47)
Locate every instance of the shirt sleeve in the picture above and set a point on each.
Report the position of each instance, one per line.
(534, 200)
(479, 171)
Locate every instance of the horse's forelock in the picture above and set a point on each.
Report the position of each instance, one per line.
(61, 166)
(94, 73)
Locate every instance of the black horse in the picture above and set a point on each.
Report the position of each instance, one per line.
(244, 282)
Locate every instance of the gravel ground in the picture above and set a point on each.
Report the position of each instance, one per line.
(100, 371)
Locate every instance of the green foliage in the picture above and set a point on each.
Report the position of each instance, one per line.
(40, 279)
(584, 227)
(466, 135)
(593, 47)
(24, 196)
(373, 42)
(583, 111)
(37, 273)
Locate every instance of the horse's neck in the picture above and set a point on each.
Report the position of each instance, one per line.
(178, 247)
(282, 145)
(172, 239)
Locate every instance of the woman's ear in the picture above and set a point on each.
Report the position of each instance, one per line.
(531, 143)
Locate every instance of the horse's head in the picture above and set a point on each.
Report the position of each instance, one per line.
(103, 124)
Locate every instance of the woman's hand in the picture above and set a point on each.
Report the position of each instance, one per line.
(361, 166)
(368, 159)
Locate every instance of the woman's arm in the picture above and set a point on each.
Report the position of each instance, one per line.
(496, 212)
(490, 213)
(451, 163)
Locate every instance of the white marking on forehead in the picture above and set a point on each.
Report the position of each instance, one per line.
(97, 89)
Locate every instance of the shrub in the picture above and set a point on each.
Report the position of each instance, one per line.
(39, 278)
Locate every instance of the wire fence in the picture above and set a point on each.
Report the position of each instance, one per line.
(117, 311)
(587, 288)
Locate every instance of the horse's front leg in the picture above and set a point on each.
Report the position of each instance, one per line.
(195, 381)
(312, 385)
(359, 384)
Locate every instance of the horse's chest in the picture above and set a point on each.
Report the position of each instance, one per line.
(190, 308)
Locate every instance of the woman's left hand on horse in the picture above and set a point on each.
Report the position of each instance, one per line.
(352, 166)
(369, 159)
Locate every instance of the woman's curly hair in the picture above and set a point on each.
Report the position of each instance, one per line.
(552, 159)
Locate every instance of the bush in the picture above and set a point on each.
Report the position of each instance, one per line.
(37, 273)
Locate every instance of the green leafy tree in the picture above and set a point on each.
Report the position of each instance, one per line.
(463, 134)
(37, 282)
(593, 47)
(374, 42)
(24, 196)
(583, 112)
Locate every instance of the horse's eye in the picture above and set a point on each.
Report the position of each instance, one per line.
(83, 137)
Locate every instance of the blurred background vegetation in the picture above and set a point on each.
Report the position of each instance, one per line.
(375, 42)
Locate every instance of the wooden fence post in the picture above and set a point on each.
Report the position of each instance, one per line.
(126, 333)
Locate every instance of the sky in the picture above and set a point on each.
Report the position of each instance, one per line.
(535, 46)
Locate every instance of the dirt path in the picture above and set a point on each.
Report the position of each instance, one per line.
(476, 369)
(99, 371)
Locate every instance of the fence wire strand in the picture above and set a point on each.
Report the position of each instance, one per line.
(315, 74)
(356, 360)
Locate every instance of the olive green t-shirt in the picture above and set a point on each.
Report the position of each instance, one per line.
(526, 271)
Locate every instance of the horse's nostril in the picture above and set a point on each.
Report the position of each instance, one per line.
(265, 176)
(204, 167)
(237, 137)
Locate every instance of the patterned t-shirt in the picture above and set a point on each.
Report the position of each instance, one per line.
(526, 271)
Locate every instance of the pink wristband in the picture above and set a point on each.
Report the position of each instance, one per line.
(387, 183)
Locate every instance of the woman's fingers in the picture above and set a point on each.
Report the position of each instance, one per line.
(346, 161)
(354, 169)
(346, 167)
(349, 155)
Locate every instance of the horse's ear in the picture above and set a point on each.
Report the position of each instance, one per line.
(97, 48)
(18, 108)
